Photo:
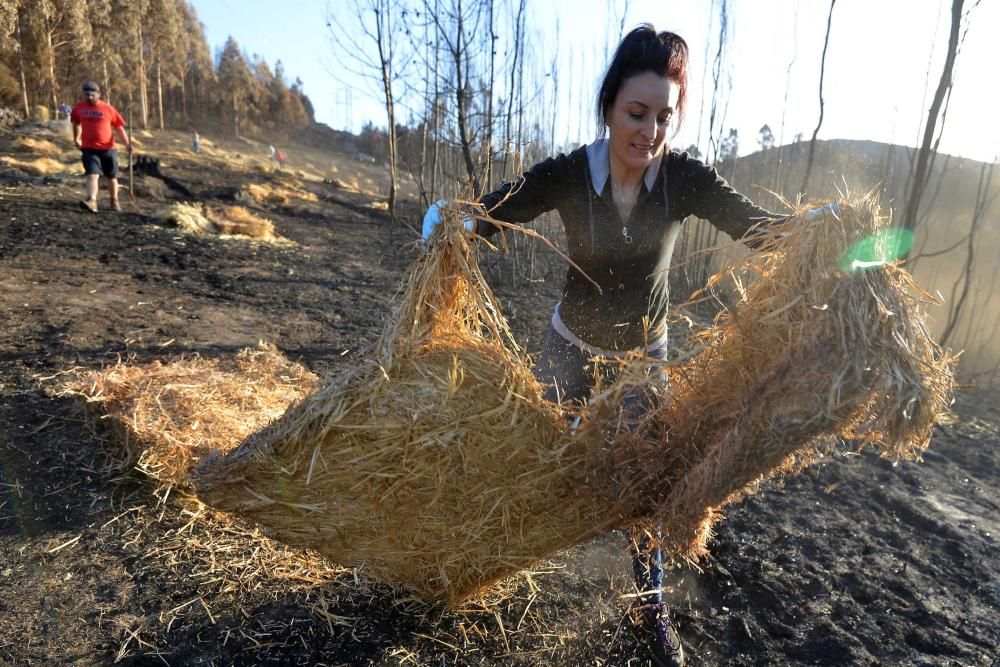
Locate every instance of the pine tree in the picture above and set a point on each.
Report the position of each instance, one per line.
(235, 80)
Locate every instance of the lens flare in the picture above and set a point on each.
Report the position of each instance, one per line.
(881, 248)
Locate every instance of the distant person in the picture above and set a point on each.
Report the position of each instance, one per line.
(95, 124)
(280, 155)
(196, 143)
(273, 153)
(63, 111)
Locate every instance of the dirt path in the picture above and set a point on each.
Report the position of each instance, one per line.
(856, 562)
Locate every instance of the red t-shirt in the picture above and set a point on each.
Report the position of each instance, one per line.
(96, 121)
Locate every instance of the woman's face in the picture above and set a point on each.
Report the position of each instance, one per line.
(639, 118)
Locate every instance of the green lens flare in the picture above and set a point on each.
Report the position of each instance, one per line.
(876, 250)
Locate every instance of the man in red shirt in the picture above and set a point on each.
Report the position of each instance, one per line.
(95, 124)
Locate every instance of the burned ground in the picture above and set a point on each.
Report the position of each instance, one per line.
(858, 561)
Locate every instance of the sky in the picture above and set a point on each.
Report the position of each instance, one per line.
(874, 84)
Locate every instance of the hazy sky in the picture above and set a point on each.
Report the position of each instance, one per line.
(874, 85)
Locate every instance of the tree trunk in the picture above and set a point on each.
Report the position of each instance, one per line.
(385, 57)
(143, 99)
(159, 90)
(435, 157)
(488, 134)
(460, 92)
(52, 70)
(106, 83)
(982, 204)
(511, 96)
(920, 176)
(822, 70)
(20, 63)
(184, 104)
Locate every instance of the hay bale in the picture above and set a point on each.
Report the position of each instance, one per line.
(164, 418)
(440, 467)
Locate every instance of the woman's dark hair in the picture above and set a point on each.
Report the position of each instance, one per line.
(644, 50)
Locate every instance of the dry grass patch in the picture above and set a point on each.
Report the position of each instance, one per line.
(42, 166)
(164, 418)
(219, 219)
(38, 146)
(263, 193)
(237, 220)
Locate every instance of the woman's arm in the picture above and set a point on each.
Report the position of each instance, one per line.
(526, 198)
(707, 195)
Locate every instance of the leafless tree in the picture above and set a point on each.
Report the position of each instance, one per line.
(819, 123)
(369, 42)
(784, 107)
(920, 178)
(982, 204)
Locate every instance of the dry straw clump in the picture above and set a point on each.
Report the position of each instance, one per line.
(165, 417)
(41, 166)
(237, 220)
(38, 146)
(218, 219)
(188, 217)
(813, 351)
(271, 194)
(440, 467)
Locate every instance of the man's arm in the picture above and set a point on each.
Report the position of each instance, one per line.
(123, 137)
(77, 135)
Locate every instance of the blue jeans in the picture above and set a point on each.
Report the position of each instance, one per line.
(569, 374)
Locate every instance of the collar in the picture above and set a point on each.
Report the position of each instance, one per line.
(599, 160)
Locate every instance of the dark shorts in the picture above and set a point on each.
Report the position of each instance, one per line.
(101, 162)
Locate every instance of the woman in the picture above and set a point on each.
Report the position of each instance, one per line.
(622, 200)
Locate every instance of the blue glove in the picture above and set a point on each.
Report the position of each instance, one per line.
(813, 213)
(433, 218)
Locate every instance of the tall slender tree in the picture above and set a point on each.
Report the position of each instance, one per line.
(819, 123)
(369, 43)
(164, 37)
(921, 174)
(58, 25)
(10, 33)
(235, 80)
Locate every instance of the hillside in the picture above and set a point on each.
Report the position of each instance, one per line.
(944, 222)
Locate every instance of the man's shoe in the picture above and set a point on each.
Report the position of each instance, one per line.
(664, 642)
(89, 205)
(116, 205)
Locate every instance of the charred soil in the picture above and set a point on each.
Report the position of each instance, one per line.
(858, 561)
